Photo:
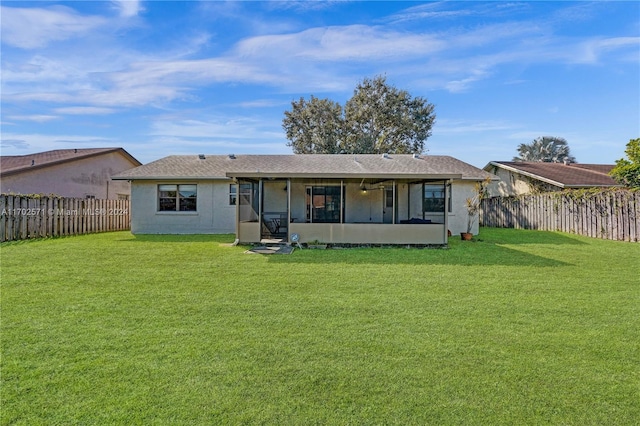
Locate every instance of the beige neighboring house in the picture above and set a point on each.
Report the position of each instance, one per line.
(343, 199)
(525, 177)
(74, 173)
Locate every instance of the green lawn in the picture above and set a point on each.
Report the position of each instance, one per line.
(517, 327)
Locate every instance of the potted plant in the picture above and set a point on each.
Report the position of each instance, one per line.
(473, 206)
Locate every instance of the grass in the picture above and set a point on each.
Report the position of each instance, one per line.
(516, 327)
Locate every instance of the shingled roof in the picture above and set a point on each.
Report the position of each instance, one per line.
(572, 175)
(14, 164)
(189, 167)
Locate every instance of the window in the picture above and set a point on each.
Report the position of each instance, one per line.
(434, 198)
(181, 198)
(233, 194)
(323, 204)
(388, 198)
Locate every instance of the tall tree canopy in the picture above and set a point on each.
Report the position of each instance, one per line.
(377, 119)
(314, 126)
(549, 149)
(627, 172)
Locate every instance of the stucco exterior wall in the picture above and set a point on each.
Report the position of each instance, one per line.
(460, 191)
(512, 183)
(78, 179)
(213, 215)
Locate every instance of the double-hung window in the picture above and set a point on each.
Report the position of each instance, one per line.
(177, 198)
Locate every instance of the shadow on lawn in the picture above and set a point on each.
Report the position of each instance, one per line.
(475, 254)
(180, 238)
(526, 236)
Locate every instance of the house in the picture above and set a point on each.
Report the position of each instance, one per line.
(73, 173)
(524, 177)
(343, 198)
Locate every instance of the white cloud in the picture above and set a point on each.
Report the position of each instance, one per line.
(430, 10)
(592, 51)
(450, 126)
(13, 144)
(217, 128)
(38, 118)
(351, 42)
(263, 103)
(30, 28)
(85, 110)
(19, 143)
(128, 8)
(458, 86)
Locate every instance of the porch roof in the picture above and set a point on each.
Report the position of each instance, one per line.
(344, 166)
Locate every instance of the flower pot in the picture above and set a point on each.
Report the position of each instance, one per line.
(467, 236)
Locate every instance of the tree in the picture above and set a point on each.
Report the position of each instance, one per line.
(314, 126)
(627, 172)
(549, 149)
(378, 118)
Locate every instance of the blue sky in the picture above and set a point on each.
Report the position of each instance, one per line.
(160, 78)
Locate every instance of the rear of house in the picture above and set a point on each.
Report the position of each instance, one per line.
(345, 199)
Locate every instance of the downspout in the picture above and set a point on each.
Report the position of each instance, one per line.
(422, 196)
(260, 207)
(237, 184)
(445, 236)
(395, 204)
(408, 201)
(342, 201)
(288, 209)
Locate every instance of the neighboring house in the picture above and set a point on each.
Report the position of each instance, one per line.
(524, 177)
(376, 199)
(74, 173)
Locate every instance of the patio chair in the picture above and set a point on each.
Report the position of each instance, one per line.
(270, 226)
(283, 224)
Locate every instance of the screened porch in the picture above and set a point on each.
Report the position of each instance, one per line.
(343, 211)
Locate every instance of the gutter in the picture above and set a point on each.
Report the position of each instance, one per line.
(172, 178)
(385, 176)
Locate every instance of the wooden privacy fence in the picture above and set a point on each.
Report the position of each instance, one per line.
(613, 215)
(24, 217)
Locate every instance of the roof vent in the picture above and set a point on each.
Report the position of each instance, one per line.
(201, 156)
(33, 162)
(232, 156)
(385, 155)
(566, 161)
(416, 156)
(75, 151)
